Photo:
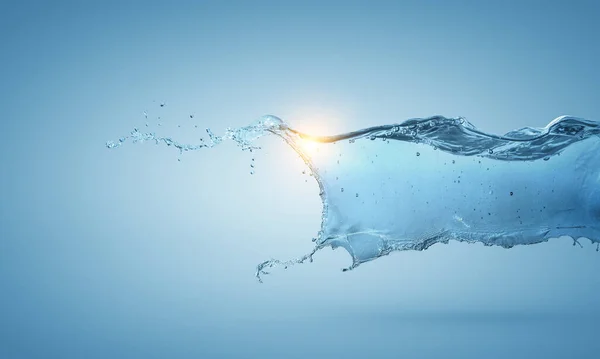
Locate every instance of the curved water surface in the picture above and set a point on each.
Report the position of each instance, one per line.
(426, 181)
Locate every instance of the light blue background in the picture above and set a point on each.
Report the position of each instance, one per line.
(130, 253)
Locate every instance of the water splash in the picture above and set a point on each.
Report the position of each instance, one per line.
(425, 181)
(244, 136)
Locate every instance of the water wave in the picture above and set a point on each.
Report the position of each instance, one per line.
(411, 185)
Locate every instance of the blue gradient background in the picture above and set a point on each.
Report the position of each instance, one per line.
(130, 253)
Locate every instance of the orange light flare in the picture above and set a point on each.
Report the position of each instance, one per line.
(310, 146)
(311, 130)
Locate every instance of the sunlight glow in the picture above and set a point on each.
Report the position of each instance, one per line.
(309, 147)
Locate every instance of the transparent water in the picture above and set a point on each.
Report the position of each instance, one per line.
(409, 186)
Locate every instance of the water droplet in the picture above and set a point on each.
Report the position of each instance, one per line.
(453, 161)
(511, 193)
(342, 189)
(191, 116)
(357, 195)
(490, 151)
(162, 104)
(418, 154)
(546, 158)
(252, 172)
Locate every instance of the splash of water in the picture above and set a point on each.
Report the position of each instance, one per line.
(425, 181)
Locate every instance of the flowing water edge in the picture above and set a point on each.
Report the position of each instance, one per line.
(408, 186)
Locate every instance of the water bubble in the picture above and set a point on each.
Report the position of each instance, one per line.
(546, 158)
(490, 151)
(191, 116)
(162, 104)
(418, 154)
(511, 193)
(342, 190)
(357, 195)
